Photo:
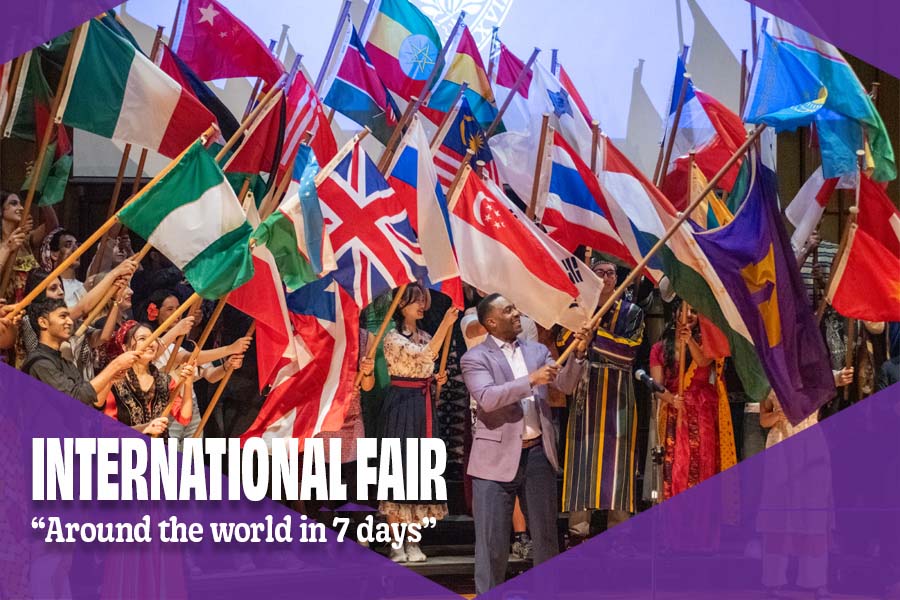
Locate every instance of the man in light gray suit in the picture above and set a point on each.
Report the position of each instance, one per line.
(514, 446)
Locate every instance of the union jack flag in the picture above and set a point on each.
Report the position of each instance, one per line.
(460, 133)
(374, 245)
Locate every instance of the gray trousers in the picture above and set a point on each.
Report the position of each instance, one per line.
(492, 505)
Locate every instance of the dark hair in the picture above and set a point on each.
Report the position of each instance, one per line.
(671, 333)
(129, 337)
(56, 238)
(35, 278)
(4, 196)
(43, 308)
(413, 292)
(157, 297)
(484, 307)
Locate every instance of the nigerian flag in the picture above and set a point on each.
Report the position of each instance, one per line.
(193, 217)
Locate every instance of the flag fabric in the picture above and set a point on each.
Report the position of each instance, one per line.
(415, 181)
(262, 143)
(753, 257)
(467, 66)
(784, 93)
(6, 70)
(313, 395)
(305, 113)
(507, 68)
(175, 68)
(705, 126)
(461, 133)
(806, 209)
(192, 216)
(642, 216)
(866, 276)
(375, 247)
(114, 91)
(572, 214)
(404, 46)
(711, 212)
(295, 233)
(217, 45)
(569, 86)
(585, 280)
(498, 253)
(848, 109)
(357, 92)
(262, 298)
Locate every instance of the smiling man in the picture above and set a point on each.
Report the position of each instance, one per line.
(514, 446)
(53, 325)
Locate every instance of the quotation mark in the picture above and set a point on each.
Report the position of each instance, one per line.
(38, 523)
(429, 522)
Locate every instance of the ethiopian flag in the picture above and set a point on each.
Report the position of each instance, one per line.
(466, 66)
(118, 93)
(193, 217)
(404, 47)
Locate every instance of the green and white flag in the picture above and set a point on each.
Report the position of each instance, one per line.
(193, 217)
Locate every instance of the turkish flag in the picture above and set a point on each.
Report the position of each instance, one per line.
(217, 45)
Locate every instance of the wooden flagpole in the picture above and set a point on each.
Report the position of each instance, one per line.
(44, 142)
(492, 51)
(218, 393)
(396, 134)
(329, 54)
(171, 320)
(743, 98)
(370, 7)
(445, 354)
(636, 271)
(670, 137)
(95, 237)
(682, 347)
(595, 145)
(248, 120)
(538, 167)
(445, 122)
(519, 80)
(17, 66)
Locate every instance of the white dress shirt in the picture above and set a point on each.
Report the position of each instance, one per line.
(516, 360)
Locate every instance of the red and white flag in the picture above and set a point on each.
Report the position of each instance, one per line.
(217, 45)
(305, 113)
(256, 154)
(806, 209)
(498, 253)
(865, 280)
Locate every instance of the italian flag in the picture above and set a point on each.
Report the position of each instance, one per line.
(191, 215)
(116, 92)
(404, 47)
(642, 215)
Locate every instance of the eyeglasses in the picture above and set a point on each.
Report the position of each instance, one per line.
(605, 273)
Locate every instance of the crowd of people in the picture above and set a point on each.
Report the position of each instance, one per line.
(521, 437)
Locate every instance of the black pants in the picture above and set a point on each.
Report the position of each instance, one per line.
(492, 503)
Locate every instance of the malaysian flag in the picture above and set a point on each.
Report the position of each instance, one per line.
(374, 244)
(460, 132)
(305, 113)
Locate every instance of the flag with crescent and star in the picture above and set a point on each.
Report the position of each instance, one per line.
(752, 255)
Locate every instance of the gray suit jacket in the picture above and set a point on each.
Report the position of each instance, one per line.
(497, 443)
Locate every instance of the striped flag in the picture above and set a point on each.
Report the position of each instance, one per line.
(305, 113)
(461, 132)
(358, 92)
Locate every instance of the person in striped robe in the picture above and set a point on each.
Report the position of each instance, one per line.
(599, 469)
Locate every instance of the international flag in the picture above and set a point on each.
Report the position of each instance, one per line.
(116, 92)
(305, 113)
(497, 253)
(467, 66)
(192, 216)
(712, 211)
(415, 181)
(507, 68)
(313, 395)
(569, 86)
(357, 92)
(572, 213)
(175, 68)
(784, 93)
(404, 46)
(295, 232)
(217, 45)
(642, 215)
(866, 276)
(262, 144)
(848, 110)
(461, 132)
(806, 209)
(754, 260)
(375, 247)
(705, 126)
